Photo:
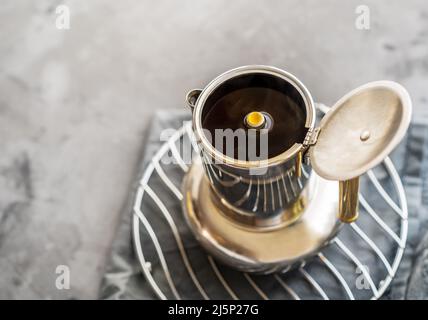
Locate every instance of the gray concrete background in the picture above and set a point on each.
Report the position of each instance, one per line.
(74, 104)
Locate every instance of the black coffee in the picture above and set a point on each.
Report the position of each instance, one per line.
(229, 112)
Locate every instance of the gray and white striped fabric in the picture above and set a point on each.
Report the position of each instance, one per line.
(123, 278)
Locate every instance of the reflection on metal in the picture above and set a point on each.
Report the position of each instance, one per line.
(255, 195)
(161, 279)
(235, 241)
(298, 166)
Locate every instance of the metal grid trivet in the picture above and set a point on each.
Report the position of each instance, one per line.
(334, 273)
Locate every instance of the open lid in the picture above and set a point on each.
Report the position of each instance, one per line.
(360, 130)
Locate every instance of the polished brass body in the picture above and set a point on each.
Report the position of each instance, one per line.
(266, 216)
(274, 247)
(256, 191)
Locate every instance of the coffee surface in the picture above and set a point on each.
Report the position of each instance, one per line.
(286, 128)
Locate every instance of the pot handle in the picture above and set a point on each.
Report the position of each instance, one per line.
(348, 199)
(191, 98)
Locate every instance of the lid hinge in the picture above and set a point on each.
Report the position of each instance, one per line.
(311, 136)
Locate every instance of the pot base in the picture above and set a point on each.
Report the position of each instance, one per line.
(255, 249)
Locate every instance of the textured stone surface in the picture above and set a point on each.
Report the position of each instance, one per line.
(74, 104)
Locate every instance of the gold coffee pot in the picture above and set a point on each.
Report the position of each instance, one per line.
(267, 215)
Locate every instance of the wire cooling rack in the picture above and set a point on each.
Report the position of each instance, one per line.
(359, 263)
